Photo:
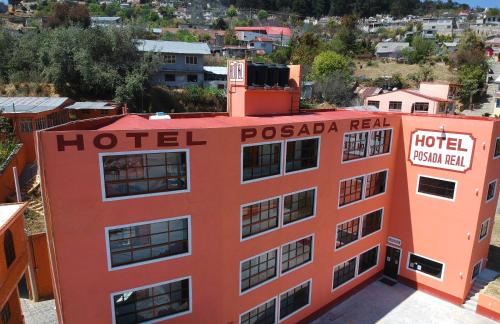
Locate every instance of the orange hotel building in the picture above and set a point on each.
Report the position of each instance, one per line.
(266, 214)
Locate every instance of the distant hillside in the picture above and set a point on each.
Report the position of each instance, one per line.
(363, 8)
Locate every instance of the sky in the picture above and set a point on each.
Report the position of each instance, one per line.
(472, 3)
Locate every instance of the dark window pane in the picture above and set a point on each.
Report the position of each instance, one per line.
(140, 243)
(372, 222)
(375, 183)
(484, 229)
(497, 147)
(258, 269)
(491, 190)
(302, 154)
(260, 217)
(9, 250)
(355, 146)
(261, 161)
(262, 314)
(296, 254)
(152, 303)
(380, 141)
(136, 174)
(347, 232)
(344, 272)
(298, 206)
(426, 266)
(294, 299)
(436, 187)
(368, 260)
(351, 190)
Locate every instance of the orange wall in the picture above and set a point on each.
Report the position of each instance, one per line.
(488, 306)
(41, 263)
(76, 218)
(7, 186)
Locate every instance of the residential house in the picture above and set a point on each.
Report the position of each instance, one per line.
(94, 109)
(30, 114)
(280, 35)
(390, 50)
(262, 45)
(182, 62)
(442, 26)
(429, 99)
(14, 262)
(105, 21)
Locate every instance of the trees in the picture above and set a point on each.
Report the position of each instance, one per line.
(421, 49)
(230, 37)
(305, 48)
(66, 15)
(220, 23)
(329, 62)
(262, 15)
(231, 12)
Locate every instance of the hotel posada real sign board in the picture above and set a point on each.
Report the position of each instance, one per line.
(442, 150)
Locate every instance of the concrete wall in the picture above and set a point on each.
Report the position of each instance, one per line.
(407, 100)
(41, 264)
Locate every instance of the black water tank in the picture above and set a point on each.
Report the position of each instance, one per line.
(284, 75)
(273, 75)
(260, 74)
(250, 74)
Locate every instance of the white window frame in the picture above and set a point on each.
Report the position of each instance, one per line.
(400, 104)
(372, 267)
(363, 194)
(303, 264)
(243, 146)
(368, 143)
(190, 310)
(496, 140)
(278, 270)
(107, 229)
(242, 239)
(360, 230)
(335, 248)
(301, 139)
(168, 59)
(267, 301)
(487, 221)
(423, 273)
(302, 219)
(434, 196)
(480, 262)
(193, 57)
(103, 183)
(300, 309)
(356, 257)
(494, 191)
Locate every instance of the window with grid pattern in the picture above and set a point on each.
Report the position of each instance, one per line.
(497, 144)
(302, 154)
(492, 186)
(262, 314)
(436, 187)
(395, 105)
(355, 146)
(259, 217)
(347, 232)
(137, 174)
(372, 222)
(351, 190)
(169, 59)
(26, 125)
(344, 272)
(424, 265)
(260, 161)
(421, 107)
(294, 299)
(375, 183)
(152, 303)
(258, 269)
(374, 103)
(191, 59)
(484, 229)
(298, 206)
(133, 244)
(380, 141)
(368, 260)
(296, 253)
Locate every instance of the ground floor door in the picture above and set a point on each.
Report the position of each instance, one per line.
(392, 257)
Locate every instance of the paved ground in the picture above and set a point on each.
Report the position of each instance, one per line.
(489, 103)
(43, 312)
(399, 304)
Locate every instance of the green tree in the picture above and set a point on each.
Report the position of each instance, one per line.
(220, 23)
(231, 12)
(471, 79)
(262, 15)
(329, 62)
(230, 37)
(305, 48)
(420, 51)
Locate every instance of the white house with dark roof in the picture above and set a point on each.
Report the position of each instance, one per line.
(182, 62)
(390, 50)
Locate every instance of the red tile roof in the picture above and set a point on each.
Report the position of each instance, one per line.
(269, 30)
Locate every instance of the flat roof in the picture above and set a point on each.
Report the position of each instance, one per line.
(21, 105)
(146, 45)
(100, 105)
(9, 212)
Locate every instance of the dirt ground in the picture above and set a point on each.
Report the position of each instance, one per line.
(380, 69)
